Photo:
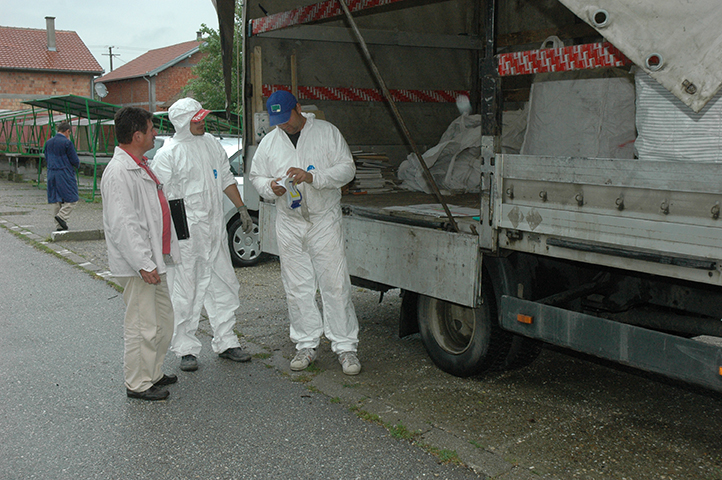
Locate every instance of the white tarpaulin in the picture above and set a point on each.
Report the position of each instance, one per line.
(678, 42)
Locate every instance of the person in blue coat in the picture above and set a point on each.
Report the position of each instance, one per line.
(62, 184)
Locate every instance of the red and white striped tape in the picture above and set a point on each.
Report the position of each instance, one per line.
(350, 94)
(576, 57)
(310, 13)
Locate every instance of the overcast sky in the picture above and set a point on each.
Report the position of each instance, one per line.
(131, 27)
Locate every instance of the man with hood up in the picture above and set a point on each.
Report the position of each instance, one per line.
(193, 166)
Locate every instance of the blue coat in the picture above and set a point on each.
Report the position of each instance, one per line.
(62, 162)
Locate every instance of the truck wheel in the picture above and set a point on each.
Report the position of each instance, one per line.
(463, 341)
(245, 247)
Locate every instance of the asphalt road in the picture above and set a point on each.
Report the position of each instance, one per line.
(565, 417)
(65, 414)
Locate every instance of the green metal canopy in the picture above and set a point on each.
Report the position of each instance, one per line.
(77, 106)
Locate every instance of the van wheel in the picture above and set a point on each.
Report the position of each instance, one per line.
(245, 247)
(460, 340)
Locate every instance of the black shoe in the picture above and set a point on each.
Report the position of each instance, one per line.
(153, 393)
(166, 380)
(61, 222)
(235, 354)
(189, 363)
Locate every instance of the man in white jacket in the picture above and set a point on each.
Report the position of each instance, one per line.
(141, 242)
(314, 154)
(193, 166)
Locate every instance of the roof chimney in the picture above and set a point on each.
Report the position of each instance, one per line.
(50, 27)
(199, 36)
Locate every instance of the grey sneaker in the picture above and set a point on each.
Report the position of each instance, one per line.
(189, 363)
(303, 359)
(349, 362)
(236, 354)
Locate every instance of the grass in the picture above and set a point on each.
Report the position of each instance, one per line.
(402, 433)
(262, 356)
(335, 400)
(445, 456)
(302, 379)
(312, 368)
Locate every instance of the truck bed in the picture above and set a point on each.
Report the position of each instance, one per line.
(389, 207)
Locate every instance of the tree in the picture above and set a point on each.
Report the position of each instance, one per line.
(208, 87)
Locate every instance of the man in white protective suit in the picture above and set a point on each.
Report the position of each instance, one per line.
(193, 166)
(312, 154)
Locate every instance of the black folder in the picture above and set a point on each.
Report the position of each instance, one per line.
(178, 213)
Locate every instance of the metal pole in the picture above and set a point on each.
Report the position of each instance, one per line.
(405, 130)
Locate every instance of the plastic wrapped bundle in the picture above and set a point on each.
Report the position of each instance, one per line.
(668, 129)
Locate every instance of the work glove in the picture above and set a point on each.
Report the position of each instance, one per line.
(246, 221)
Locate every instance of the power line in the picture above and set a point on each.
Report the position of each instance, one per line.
(111, 55)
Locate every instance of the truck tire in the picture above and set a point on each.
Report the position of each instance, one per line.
(245, 248)
(460, 340)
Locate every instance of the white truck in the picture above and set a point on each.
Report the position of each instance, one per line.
(618, 258)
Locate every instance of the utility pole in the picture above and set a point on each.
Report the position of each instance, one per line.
(111, 55)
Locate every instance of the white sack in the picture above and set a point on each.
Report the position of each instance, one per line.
(579, 114)
(455, 162)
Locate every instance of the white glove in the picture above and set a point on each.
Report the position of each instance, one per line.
(246, 221)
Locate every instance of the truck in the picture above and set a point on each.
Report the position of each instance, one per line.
(619, 258)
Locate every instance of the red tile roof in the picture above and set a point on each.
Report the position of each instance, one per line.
(27, 49)
(153, 61)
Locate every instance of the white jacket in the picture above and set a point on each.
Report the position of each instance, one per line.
(133, 219)
(320, 145)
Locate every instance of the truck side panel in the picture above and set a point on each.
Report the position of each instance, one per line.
(436, 263)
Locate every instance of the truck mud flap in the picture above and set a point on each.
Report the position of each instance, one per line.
(681, 358)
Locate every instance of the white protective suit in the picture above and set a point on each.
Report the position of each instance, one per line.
(196, 168)
(312, 250)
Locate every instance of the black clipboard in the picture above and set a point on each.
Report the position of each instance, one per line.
(178, 213)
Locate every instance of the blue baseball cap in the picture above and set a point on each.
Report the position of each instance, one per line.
(279, 106)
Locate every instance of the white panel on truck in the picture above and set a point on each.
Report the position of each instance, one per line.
(677, 43)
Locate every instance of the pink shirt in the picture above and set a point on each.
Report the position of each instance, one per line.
(161, 197)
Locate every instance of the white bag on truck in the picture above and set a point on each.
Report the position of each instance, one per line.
(667, 129)
(455, 162)
(581, 114)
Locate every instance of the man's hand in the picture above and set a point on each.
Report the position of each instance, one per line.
(277, 188)
(246, 221)
(299, 175)
(150, 277)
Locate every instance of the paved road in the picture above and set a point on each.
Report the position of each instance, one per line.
(64, 413)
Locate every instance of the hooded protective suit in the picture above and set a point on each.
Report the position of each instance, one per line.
(196, 168)
(310, 238)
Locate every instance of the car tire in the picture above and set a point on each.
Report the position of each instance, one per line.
(245, 248)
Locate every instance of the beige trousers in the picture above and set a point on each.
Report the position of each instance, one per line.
(148, 331)
(63, 210)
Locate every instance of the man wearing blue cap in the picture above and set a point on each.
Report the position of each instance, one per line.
(315, 155)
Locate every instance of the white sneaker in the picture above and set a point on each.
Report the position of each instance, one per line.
(303, 359)
(349, 362)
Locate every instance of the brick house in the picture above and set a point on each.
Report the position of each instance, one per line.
(155, 79)
(36, 63)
